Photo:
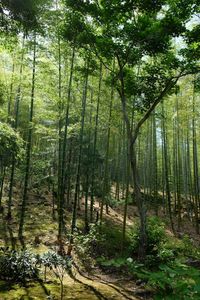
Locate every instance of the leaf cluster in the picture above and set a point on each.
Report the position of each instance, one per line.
(18, 266)
(157, 249)
(53, 261)
(11, 144)
(170, 281)
(18, 13)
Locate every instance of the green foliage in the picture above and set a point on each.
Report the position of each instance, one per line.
(18, 266)
(186, 247)
(90, 242)
(177, 281)
(112, 202)
(110, 246)
(10, 144)
(2, 92)
(17, 12)
(123, 264)
(115, 262)
(24, 265)
(157, 247)
(165, 274)
(140, 33)
(53, 261)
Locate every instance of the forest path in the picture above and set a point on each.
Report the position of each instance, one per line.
(94, 288)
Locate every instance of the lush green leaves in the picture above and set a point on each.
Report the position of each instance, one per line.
(17, 266)
(11, 144)
(15, 13)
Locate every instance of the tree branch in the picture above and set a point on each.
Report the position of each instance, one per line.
(168, 87)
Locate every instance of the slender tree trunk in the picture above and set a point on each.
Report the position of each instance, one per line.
(15, 126)
(128, 179)
(62, 159)
(68, 176)
(95, 144)
(174, 165)
(88, 170)
(117, 188)
(126, 199)
(60, 183)
(124, 161)
(154, 164)
(29, 144)
(105, 182)
(2, 177)
(137, 191)
(195, 167)
(189, 172)
(11, 93)
(166, 169)
(77, 186)
(178, 163)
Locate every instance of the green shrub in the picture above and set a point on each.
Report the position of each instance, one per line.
(18, 266)
(53, 260)
(90, 243)
(177, 281)
(188, 248)
(157, 243)
(11, 144)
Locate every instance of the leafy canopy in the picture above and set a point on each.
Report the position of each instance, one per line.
(139, 35)
(17, 13)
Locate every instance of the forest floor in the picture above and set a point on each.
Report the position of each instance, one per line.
(40, 235)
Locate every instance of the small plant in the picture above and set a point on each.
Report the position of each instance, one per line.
(18, 266)
(58, 265)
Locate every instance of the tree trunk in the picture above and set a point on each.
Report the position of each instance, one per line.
(15, 126)
(62, 155)
(131, 137)
(166, 169)
(95, 144)
(77, 186)
(195, 167)
(29, 144)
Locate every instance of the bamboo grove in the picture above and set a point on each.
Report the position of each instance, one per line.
(89, 116)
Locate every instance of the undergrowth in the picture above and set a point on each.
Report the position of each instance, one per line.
(165, 271)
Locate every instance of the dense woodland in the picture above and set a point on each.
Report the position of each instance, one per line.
(100, 149)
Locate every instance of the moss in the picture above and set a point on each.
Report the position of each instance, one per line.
(113, 239)
(37, 291)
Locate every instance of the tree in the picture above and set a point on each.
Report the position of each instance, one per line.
(15, 125)
(11, 146)
(29, 143)
(140, 33)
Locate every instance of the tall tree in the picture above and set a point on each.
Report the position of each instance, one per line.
(78, 174)
(136, 32)
(15, 125)
(29, 143)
